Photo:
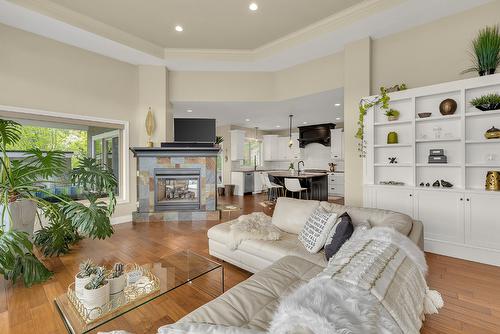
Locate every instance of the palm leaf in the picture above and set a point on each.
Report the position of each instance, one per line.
(91, 176)
(92, 220)
(10, 132)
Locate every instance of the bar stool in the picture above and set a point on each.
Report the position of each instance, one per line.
(294, 186)
(272, 187)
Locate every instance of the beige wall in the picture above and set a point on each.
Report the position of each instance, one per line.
(356, 85)
(40, 73)
(432, 53)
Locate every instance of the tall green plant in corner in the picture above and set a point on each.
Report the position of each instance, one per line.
(69, 221)
(485, 51)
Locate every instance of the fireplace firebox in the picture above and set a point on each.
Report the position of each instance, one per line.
(177, 189)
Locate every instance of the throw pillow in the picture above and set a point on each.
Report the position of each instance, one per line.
(316, 229)
(340, 234)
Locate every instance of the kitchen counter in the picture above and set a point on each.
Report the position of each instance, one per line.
(295, 175)
(317, 183)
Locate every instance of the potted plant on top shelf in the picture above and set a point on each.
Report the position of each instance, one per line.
(23, 182)
(487, 102)
(392, 115)
(486, 51)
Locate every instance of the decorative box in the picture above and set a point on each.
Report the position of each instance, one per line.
(436, 152)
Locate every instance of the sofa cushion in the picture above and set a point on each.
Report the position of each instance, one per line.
(316, 230)
(376, 217)
(252, 303)
(290, 214)
(341, 233)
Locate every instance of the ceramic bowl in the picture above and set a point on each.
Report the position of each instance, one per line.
(424, 114)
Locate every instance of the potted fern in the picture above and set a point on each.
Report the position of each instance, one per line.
(116, 279)
(83, 277)
(486, 51)
(96, 292)
(23, 183)
(487, 102)
(392, 115)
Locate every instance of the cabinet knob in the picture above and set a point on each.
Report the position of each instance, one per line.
(411, 195)
(468, 199)
(461, 199)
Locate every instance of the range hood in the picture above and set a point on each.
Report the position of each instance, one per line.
(319, 133)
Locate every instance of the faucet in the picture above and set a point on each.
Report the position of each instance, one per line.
(298, 166)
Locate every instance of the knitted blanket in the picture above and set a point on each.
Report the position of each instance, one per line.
(374, 284)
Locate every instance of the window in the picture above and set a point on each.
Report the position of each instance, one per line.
(77, 136)
(252, 153)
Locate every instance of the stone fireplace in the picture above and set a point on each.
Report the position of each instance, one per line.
(176, 184)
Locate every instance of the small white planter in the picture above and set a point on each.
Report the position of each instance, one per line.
(80, 284)
(93, 298)
(117, 284)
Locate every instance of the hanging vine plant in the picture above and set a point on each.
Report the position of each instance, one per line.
(366, 104)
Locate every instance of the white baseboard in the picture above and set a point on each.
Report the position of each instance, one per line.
(121, 219)
(466, 252)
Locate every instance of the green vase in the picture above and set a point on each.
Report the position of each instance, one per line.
(392, 138)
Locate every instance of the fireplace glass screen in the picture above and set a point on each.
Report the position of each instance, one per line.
(177, 192)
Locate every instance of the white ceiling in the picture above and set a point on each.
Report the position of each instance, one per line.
(373, 18)
(219, 24)
(313, 109)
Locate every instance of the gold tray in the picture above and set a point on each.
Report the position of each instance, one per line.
(130, 294)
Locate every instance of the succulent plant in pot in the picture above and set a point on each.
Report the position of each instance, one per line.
(83, 277)
(485, 51)
(487, 102)
(96, 292)
(117, 279)
(392, 114)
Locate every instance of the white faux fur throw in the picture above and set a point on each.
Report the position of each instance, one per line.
(374, 284)
(202, 328)
(255, 226)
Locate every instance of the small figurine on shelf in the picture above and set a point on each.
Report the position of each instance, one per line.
(392, 138)
(393, 160)
(436, 184)
(446, 184)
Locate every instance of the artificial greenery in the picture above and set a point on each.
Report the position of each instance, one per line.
(98, 280)
(87, 268)
(219, 140)
(486, 100)
(392, 113)
(485, 51)
(366, 104)
(69, 221)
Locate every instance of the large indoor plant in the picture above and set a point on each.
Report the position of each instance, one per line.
(485, 51)
(24, 180)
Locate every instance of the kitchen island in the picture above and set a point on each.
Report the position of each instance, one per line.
(316, 183)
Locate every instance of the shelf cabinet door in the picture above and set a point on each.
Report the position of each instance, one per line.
(394, 199)
(482, 220)
(337, 144)
(442, 214)
(270, 147)
(237, 144)
(283, 149)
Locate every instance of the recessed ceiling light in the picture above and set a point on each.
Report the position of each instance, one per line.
(338, 118)
(189, 110)
(304, 122)
(247, 119)
(278, 126)
(337, 104)
(253, 6)
(179, 28)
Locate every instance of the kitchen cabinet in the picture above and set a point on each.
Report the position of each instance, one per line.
(482, 220)
(270, 147)
(336, 184)
(283, 149)
(238, 179)
(237, 144)
(442, 214)
(337, 144)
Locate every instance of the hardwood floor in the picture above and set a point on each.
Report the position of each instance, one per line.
(471, 291)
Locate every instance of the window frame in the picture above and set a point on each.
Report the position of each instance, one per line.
(123, 130)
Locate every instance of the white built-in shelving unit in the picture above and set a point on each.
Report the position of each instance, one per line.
(463, 221)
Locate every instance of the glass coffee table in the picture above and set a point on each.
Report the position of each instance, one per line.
(173, 271)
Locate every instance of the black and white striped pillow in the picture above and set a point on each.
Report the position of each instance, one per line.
(315, 231)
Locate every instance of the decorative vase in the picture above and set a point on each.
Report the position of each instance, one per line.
(117, 284)
(22, 216)
(80, 285)
(492, 133)
(493, 181)
(95, 298)
(392, 138)
(448, 107)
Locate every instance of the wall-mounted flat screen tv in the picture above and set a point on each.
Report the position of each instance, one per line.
(195, 130)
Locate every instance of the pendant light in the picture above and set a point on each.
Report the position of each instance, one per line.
(290, 141)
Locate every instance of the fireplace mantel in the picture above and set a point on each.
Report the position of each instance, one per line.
(172, 162)
(175, 151)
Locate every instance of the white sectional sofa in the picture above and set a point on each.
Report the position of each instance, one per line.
(290, 216)
(280, 266)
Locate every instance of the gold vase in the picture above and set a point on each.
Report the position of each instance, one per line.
(493, 181)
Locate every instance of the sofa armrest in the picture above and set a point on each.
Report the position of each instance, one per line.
(417, 233)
